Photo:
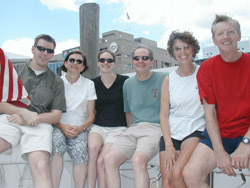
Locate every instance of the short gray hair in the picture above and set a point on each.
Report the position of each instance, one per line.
(224, 18)
(150, 52)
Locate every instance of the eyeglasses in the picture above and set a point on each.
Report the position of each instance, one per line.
(179, 48)
(43, 49)
(78, 61)
(103, 60)
(144, 58)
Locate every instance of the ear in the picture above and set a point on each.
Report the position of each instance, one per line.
(214, 41)
(65, 64)
(152, 63)
(83, 67)
(33, 48)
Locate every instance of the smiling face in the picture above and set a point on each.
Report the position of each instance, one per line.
(226, 36)
(41, 59)
(74, 64)
(106, 67)
(142, 65)
(183, 52)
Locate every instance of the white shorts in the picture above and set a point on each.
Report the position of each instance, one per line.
(36, 138)
(108, 134)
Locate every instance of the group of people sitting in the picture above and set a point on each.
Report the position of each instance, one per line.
(195, 117)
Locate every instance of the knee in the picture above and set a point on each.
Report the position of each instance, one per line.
(93, 150)
(139, 162)
(189, 174)
(100, 162)
(42, 165)
(166, 181)
(109, 161)
(177, 175)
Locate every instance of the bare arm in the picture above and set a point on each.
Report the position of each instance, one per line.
(129, 118)
(51, 117)
(223, 159)
(25, 116)
(91, 117)
(164, 121)
(241, 156)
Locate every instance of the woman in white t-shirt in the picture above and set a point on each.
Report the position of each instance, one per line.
(182, 115)
(71, 133)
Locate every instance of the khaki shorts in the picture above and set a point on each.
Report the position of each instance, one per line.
(143, 137)
(108, 134)
(29, 138)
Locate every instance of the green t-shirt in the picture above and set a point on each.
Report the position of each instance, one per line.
(46, 90)
(143, 98)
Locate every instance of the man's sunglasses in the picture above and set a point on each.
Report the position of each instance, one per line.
(109, 60)
(78, 61)
(43, 49)
(144, 58)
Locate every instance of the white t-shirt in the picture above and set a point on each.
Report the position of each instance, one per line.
(186, 113)
(77, 96)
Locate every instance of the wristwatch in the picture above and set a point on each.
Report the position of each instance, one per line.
(245, 140)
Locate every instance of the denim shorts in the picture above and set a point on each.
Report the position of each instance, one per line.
(76, 147)
(177, 143)
(229, 144)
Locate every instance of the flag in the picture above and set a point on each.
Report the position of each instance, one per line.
(128, 16)
(11, 87)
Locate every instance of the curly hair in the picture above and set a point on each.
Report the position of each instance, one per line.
(186, 37)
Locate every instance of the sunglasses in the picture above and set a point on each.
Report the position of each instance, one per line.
(179, 48)
(43, 49)
(144, 58)
(109, 60)
(78, 61)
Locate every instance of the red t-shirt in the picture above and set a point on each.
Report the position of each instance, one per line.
(227, 85)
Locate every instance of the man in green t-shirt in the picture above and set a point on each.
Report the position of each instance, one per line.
(142, 106)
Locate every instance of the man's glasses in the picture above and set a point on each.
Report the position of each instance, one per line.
(103, 60)
(144, 58)
(179, 48)
(43, 49)
(78, 61)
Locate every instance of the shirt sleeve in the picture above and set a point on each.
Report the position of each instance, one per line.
(92, 92)
(205, 84)
(59, 101)
(125, 101)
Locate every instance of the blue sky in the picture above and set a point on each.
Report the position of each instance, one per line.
(23, 20)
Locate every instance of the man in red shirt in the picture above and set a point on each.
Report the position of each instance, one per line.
(224, 88)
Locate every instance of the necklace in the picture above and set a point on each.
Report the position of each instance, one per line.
(178, 71)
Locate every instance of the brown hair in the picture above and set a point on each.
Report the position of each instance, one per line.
(63, 68)
(45, 37)
(186, 37)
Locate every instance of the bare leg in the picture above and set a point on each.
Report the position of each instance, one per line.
(112, 161)
(39, 166)
(100, 166)
(166, 175)
(95, 142)
(139, 164)
(56, 168)
(183, 157)
(4, 145)
(199, 166)
(79, 174)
